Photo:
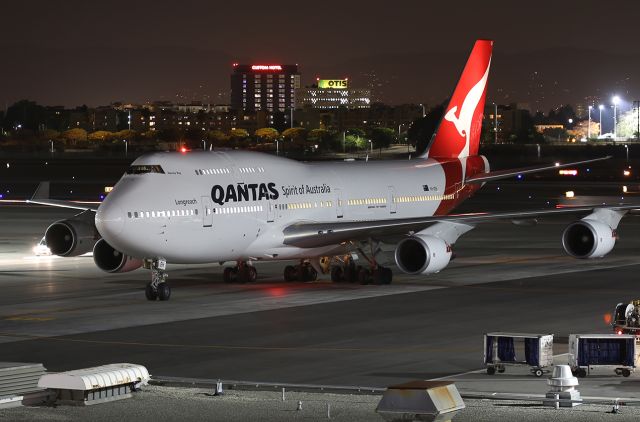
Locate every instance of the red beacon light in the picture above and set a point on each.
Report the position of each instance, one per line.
(183, 150)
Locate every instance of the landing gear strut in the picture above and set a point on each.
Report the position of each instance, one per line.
(158, 288)
(241, 273)
(301, 272)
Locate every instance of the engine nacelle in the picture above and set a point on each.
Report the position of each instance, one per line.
(421, 254)
(70, 237)
(588, 239)
(112, 261)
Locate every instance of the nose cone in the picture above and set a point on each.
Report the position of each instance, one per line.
(109, 220)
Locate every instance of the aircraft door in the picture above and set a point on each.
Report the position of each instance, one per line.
(339, 204)
(271, 212)
(392, 200)
(207, 211)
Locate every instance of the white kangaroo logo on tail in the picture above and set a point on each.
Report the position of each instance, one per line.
(463, 122)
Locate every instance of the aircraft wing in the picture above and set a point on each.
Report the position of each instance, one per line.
(41, 197)
(314, 234)
(504, 174)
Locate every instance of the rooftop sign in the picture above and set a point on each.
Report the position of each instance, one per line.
(266, 67)
(333, 83)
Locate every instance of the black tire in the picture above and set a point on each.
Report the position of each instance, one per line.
(164, 291)
(252, 274)
(227, 275)
(388, 276)
(491, 370)
(242, 275)
(150, 292)
(350, 274)
(626, 373)
(581, 372)
(337, 274)
(501, 370)
(312, 274)
(290, 273)
(364, 277)
(538, 372)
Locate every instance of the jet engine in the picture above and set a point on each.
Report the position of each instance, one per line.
(112, 261)
(72, 237)
(422, 254)
(588, 239)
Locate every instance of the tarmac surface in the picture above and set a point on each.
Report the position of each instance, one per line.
(67, 314)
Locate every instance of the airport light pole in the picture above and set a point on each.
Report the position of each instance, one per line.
(626, 147)
(126, 147)
(637, 104)
(277, 146)
(615, 101)
(589, 126)
(204, 145)
(495, 123)
(600, 107)
(51, 142)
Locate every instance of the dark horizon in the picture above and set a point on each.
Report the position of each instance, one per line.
(72, 53)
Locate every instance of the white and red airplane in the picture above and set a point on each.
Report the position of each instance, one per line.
(244, 207)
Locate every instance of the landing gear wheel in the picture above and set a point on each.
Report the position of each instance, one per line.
(290, 273)
(491, 370)
(308, 273)
(228, 275)
(350, 273)
(164, 291)
(387, 275)
(337, 274)
(364, 276)
(150, 292)
(252, 274)
(538, 372)
(581, 372)
(626, 373)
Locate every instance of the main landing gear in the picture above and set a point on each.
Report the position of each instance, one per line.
(158, 288)
(241, 273)
(348, 271)
(301, 272)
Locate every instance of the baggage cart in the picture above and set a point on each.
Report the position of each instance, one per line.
(615, 352)
(518, 349)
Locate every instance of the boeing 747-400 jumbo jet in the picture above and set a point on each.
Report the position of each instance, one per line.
(244, 207)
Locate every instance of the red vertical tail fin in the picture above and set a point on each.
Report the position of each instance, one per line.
(458, 134)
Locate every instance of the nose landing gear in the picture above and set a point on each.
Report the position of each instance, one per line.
(158, 288)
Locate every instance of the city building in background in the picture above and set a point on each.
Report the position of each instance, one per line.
(264, 87)
(330, 94)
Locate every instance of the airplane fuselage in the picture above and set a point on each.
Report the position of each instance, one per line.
(203, 207)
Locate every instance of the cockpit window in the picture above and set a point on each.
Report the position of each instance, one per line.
(141, 169)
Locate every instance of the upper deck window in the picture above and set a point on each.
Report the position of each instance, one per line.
(145, 168)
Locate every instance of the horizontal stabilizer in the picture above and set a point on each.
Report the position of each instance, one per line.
(505, 174)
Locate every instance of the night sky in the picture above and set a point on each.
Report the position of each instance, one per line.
(96, 52)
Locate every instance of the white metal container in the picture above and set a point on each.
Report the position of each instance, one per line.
(520, 349)
(614, 352)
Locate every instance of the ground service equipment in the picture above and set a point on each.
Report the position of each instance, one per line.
(509, 349)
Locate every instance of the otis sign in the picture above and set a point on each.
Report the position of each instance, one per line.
(243, 192)
(333, 83)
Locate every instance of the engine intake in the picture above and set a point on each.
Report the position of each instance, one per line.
(71, 237)
(588, 239)
(421, 254)
(110, 260)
